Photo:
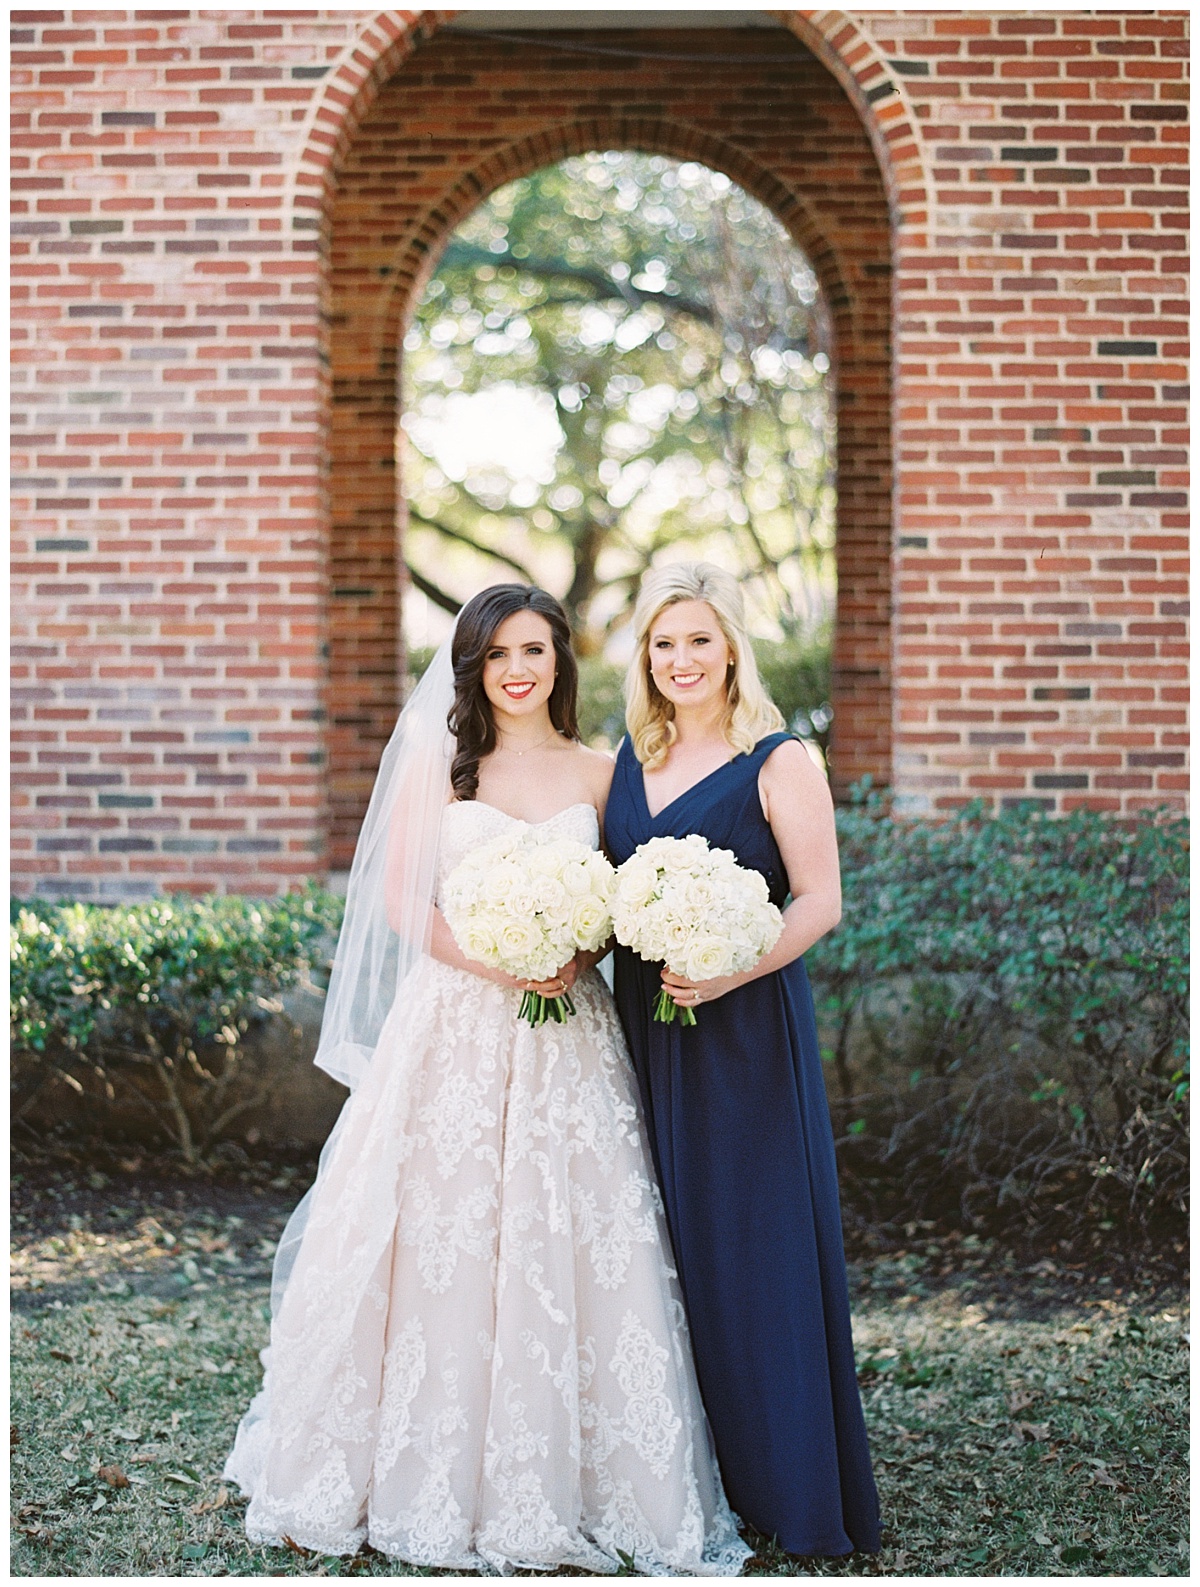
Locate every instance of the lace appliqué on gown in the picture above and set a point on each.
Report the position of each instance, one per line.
(480, 1360)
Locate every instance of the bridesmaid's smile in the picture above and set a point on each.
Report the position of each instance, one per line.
(689, 654)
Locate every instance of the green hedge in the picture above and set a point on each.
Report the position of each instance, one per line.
(156, 998)
(1005, 1006)
(1003, 1010)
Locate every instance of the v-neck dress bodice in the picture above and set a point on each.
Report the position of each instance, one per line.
(739, 1129)
(724, 807)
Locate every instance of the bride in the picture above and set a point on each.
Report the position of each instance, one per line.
(478, 1355)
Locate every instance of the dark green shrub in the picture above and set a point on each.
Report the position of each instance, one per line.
(1004, 1007)
(1005, 1002)
(156, 998)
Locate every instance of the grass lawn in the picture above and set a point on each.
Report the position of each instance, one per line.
(1027, 1418)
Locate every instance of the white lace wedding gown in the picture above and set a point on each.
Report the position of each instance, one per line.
(480, 1359)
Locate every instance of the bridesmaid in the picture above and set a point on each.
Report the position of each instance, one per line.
(735, 1106)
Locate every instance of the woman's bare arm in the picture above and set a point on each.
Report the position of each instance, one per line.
(799, 809)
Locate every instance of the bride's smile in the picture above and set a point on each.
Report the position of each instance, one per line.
(518, 678)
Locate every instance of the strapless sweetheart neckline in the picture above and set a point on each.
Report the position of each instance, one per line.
(580, 804)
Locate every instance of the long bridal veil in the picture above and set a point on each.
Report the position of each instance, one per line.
(388, 916)
(389, 898)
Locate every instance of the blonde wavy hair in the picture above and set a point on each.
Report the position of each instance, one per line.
(750, 713)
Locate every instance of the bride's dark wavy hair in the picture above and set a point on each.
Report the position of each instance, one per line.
(470, 717)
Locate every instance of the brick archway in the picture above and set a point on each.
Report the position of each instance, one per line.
(385, 42)
(438, 121)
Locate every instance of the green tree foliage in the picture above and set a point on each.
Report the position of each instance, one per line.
(663, 333)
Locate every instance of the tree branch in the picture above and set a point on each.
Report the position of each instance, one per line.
(466, 255)
(465, 539)
(431, 591)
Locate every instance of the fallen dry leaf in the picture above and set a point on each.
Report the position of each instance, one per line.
(114, 1476)
(1038, 1432)
(218, 1500)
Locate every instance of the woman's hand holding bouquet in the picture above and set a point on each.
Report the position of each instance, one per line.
(527, 907)
(695, 910)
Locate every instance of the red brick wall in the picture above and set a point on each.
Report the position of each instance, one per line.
(184, 192)
(1041, 528)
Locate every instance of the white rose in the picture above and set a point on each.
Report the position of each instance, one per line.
(707, 958)
(637, 881)
(589, 922)
(478, 943)
(520, 904)
(518, 939)
(499, 882)
(699, 894)
(600, 869)
(542, 860)
(576, 879)
(757, 887)
(675, 859)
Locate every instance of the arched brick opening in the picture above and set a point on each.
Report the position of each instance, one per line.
(457, 117)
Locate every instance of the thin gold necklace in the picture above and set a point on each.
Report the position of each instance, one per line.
(526, 750)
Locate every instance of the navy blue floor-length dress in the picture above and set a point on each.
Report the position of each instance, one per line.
(740, 1133)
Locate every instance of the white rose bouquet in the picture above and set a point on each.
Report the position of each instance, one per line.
(527, 906)
(694, 909)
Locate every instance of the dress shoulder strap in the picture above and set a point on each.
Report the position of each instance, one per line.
(765, 745)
